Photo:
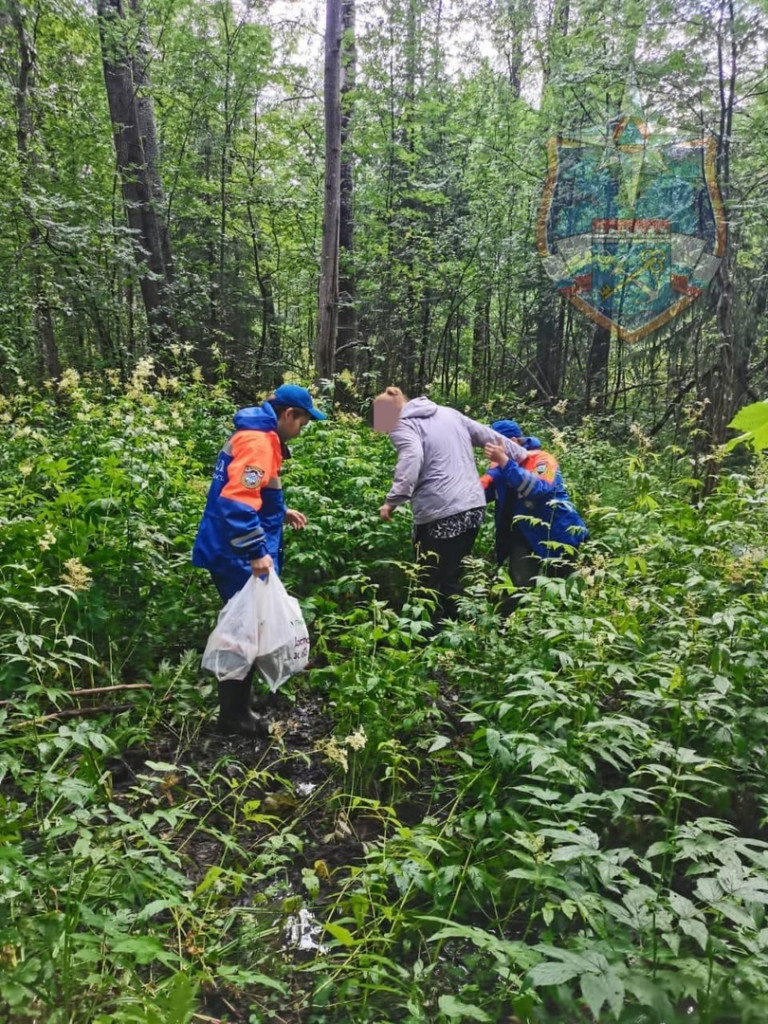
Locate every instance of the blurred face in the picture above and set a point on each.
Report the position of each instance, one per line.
(291, 423)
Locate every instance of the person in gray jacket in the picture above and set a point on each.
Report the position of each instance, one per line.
(437, 473)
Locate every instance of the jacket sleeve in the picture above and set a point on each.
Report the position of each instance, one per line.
(481, 435)
(410, 458)
(541, 481)
(488, 480)
(251, 467)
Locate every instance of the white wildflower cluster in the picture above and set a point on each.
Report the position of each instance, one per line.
(167, 383)
(334, 752)
(47, 539)
(560, 407)
(337, 752)
(140, 376)
(357, 739)
(76, 575)
(30, 434)
(641, 439)
(26, 468)
(69, 382)
(558, 440)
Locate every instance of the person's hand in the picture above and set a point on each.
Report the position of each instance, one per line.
(386, 512)
(496, 453)
(261, 566)
(296, 520)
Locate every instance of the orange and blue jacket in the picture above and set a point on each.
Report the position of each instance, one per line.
(245, 508)
(532, 498)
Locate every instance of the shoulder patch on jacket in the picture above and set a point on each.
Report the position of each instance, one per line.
(543, 465)
(251, 477)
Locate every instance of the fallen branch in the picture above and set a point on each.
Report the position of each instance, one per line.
(95, 689)
(71, 713)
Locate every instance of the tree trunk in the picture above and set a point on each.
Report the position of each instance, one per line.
(328, 302)
(550, 325)
(721, 405)
(133, 162)
(597, 369)
(148, 131)
(25, 131)
(347, 332)
(481, 344)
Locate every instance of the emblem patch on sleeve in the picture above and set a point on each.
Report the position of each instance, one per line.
(252, 477)
(541, 468)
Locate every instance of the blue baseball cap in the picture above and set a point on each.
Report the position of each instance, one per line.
(298, 398)
(507, 428)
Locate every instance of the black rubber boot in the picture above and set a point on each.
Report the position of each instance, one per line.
(263, 701)
(235, 715)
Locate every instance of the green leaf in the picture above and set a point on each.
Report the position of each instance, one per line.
(143, 948)
(457, 1010)
(696, 929)
(341, 934)
(752, 420)
(602, 988)
(310, 881)
(549, 973)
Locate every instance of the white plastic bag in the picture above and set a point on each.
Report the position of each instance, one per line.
(234, 643)
(283, 635)
(261, 624)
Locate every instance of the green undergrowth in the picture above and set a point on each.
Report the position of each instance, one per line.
(554, 817)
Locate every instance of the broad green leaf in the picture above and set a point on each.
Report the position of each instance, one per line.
(550, 973)
(339, 932)
(752, 420)
(598, 989)
(457, 1010)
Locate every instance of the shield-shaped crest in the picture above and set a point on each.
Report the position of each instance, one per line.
(631, 226)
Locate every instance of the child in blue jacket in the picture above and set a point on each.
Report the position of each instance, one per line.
(538, 529)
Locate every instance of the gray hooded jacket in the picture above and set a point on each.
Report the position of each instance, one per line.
(436, 469)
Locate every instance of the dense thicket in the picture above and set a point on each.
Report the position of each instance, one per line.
(201, 227)
(555, 818)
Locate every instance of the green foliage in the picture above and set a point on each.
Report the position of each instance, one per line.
(556, 816)
(752, 421)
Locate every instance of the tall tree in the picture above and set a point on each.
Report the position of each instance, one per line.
(347, 329)
(328, 300)
(125, 71)
(26, 143)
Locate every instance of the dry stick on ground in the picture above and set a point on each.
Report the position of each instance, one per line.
(89, 690)
(71, 713)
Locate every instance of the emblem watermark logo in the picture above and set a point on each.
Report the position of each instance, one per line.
(631, 226)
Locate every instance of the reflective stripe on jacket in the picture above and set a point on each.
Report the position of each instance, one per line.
(532, 498)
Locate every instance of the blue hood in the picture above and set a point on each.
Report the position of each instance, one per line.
(256, 417)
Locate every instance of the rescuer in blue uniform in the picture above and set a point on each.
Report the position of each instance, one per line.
(241, 531)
